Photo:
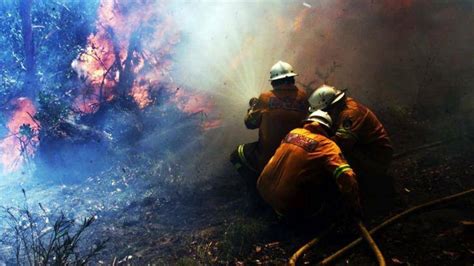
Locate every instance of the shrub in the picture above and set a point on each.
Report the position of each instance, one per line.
(35, 240)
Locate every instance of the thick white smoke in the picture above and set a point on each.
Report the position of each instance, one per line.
(390, 52)
(226, 51)
(228, 47)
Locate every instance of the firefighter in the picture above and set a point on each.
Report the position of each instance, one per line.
(307, 171)
(362, 138)
(274, 113)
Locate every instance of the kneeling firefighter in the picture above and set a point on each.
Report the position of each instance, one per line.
(307, 171)
(363, 140)
(274, 113)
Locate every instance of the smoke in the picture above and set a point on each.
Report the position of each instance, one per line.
(226, 51)
(412, 53)
(227, 48)
(368, 46)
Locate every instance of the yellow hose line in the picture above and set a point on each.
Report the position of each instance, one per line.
(366, 235)
(304, 248)
(393, 219)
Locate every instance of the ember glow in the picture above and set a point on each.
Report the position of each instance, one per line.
(19, 146)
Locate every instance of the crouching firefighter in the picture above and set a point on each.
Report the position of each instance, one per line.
(363, 140)
(274, 113)
(308, 175)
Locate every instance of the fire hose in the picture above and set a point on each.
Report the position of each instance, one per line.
(366, 234)
(308, 245)
(431, 145)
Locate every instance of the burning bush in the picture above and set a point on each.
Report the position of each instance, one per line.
(20, 145)
(123, 68)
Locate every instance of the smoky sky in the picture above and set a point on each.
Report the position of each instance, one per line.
(386, 52)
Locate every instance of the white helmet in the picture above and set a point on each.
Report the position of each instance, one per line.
(324, 97)
(321, 117)
(281, 70)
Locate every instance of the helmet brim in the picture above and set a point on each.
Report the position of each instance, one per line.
(315, 108)
(321, 122)
(287, 75)
(338, 97)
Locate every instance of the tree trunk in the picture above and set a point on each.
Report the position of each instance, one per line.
(30, 86)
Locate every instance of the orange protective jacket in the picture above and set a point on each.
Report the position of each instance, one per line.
(294, 180)
(276, 113)
(363, 138)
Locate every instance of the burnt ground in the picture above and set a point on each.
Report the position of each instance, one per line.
(152, 220)
(214, 225)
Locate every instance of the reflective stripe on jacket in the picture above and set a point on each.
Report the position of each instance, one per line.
(293, 181)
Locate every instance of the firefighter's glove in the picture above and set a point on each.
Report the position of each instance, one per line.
(349, 189)
(253, 102)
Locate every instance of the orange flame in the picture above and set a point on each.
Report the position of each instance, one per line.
(20, 144)
(196, 103)
(141, 95)
(119, 48)
(191, 103)
(108, 55)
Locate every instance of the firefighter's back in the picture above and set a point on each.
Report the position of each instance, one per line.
(285, 109)
(295, 179)
(358, 125)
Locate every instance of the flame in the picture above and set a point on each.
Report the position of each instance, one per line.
(197, 103)
(210, 124)
(141, 95)
(21, 142)
(95, 64)
(134, 40)
(192, 103)
(107, 56)
(107, 52)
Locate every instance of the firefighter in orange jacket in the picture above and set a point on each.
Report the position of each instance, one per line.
(360, 135)
(295, 181)
(274, 113)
